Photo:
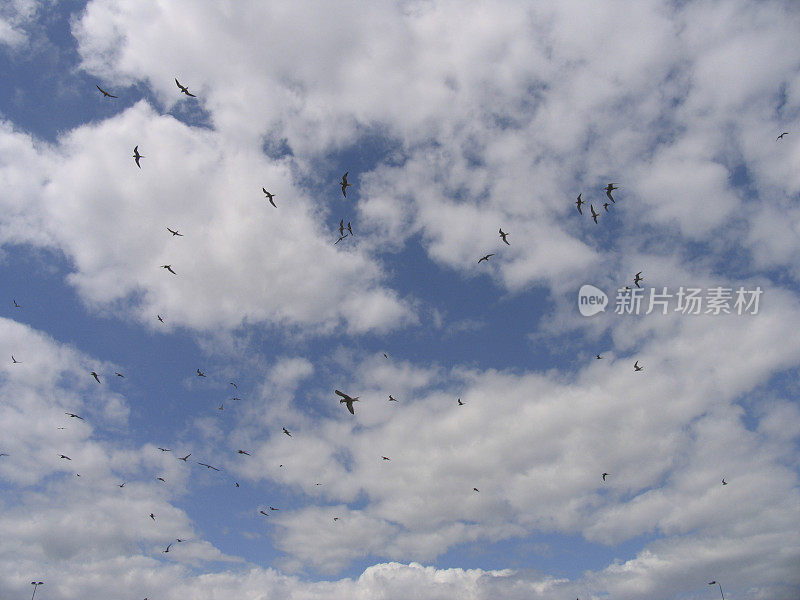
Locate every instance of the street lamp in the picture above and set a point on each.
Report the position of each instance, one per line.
(720, 588)
(35, 585)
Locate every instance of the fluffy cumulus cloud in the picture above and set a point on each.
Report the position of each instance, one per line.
(466, 120)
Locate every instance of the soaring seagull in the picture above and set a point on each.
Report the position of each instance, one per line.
(580, 202)
(93, 374)
(287, 432)
(168, 268)
(594, 214)
(503, 235)
(605, 475)
(638, 278)
(184, 89)
(636, 366)
(208, 466)
(485, 258)
(610, 188)
(348, 400)
(344, 184)
(15, 304)
(137, 156)
(14, 361)
(174, 232)
(105, 93)
(200, 373)
(183, 458)
(73, 416)
(780, 137)
(269, 197)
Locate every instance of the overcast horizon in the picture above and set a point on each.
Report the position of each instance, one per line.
(172, 433)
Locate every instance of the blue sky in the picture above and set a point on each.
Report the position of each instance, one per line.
(453, 121)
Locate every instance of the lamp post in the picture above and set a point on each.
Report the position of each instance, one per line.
(35, 585)
(720, 588)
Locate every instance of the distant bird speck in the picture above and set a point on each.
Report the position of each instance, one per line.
(168, 268)
(93, 374)
(344, 184)
(184, 89)
(105, 93)
(174, 232)
(485, 258)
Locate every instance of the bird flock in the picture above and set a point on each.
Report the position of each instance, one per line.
(344, 231)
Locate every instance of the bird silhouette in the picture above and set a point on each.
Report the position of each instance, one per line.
(161, 479)
(606, 205)
(385, 458)
(168, 268)
(385, 355)
(341, 237)
(485, 258)
(597, 356)
(122, 485)
(636, 366)
(15, 304)
(475, 490)
(243, 452)
(594, 214)
(184, 89)
(200, 373)
(344, 184)
(208, 466)
(167, 548)
(152, 516)
(271, 508)
(460, 403)
(341, 227)
(269, 197)
(724, 482)
(287, 432)
(610, 188)
(184, 458)
(105, 93)
(605, 475)
(392, 398)
(137, 156)
(64, 456)
(349, 228)
(14, 361)
(119, 374)
(263, 513)
(73, 416)
(335, 518)
(93, 374)
(780, 137)
(503, 236)
(637, 279)
(347, 400)
(233, 383)
(164, 449)
(580, 203)
(159, 318)
(174, 232)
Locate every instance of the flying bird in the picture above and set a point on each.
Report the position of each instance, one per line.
(347, 400)
(335, 518)
(475, 490)
(460, 403)
(233, 383)
(392, 398)
(341, 237)
(14, 361)
(105, 93)
(605, 475)
(168, 268)
(610, 188)
(122, 485)
(271, 508)
(724, 482)
(503, 236)
(167, 548)
(174, 232)
(15, 304)
(580, 203)
(344, 184)
(287, 432)
(485, 258)
(780, 137)
(93, 374)
(598, 357)
(119, 374)
(208, 466)
(636, 366)
(638, 278)
(243, 452)
(152, 516)
(606, 205)
(165, 449)
(385, 355)
(341, 227)
(349, 228)
(74, 416)
(385, 458)
(221, 406)
(137, 156)
(184, 89)
(263, 513)
(269, 197)
(200, 373)
(159, 318)
(183, 458)
(594, 214)
(161, 479)
(64, 457)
